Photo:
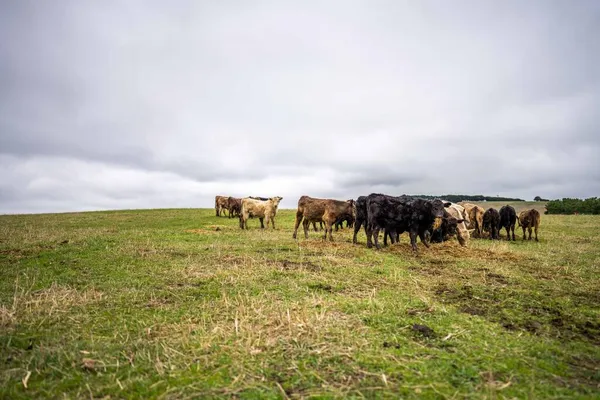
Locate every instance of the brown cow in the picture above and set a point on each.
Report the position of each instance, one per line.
(475, 218)
(529, 219)
(221, 203)
(336, 210)
(309, 210)
(312, 210)
(234, 205)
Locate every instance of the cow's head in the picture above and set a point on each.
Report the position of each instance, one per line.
(275, 200)
(437, 209)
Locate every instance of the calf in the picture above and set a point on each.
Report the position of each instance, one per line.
(529, 219)
(220, 204)
(401, 214)
(508, 218)
(475, 217)
(252, 208)
(234, 205)
(491, 223)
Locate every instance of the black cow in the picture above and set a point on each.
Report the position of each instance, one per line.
(349, 219)
(362, 220)
(446, 230)
(361, 216)
(491, 223)
(508, 219)
(402, 214)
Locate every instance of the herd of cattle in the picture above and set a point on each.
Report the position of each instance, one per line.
(430, 220)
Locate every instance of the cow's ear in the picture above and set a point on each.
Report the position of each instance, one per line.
(447, 204)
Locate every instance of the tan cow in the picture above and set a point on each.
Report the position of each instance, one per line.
(312, 210)
(475, 218)
(221, 204)
(263, 210)
(529, 219)
(460, 213)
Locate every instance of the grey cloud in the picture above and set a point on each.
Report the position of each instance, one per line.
(333, 100)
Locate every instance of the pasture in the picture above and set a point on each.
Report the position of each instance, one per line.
(179, 303)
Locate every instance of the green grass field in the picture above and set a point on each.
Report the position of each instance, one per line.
(182, 304)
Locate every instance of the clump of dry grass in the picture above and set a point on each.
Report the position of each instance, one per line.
(56, 299)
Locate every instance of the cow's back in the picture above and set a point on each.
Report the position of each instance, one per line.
(312, 208)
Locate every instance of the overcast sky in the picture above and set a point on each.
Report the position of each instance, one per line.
(151, 104)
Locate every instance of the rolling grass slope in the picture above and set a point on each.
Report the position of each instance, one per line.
(180, 303)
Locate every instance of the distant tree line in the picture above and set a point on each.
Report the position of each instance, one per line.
(455, 198)
(572, 206)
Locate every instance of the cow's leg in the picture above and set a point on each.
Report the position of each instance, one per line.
(512, 228)
(385, 236)
(328, 222)
(523, 226)
(262, 225)
(356, 229)
(413, 240)
(299, 217)
(315, 226)
(305, 225)
(375, 234)
(424, 239)
(273, 222)
(536, 229)
(369, 232)
(529, 230)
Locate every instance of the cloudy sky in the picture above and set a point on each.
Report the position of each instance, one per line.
(148, 104)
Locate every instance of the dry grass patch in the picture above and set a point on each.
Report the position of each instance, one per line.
(48, 302)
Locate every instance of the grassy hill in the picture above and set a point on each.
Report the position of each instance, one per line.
(180, 303)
